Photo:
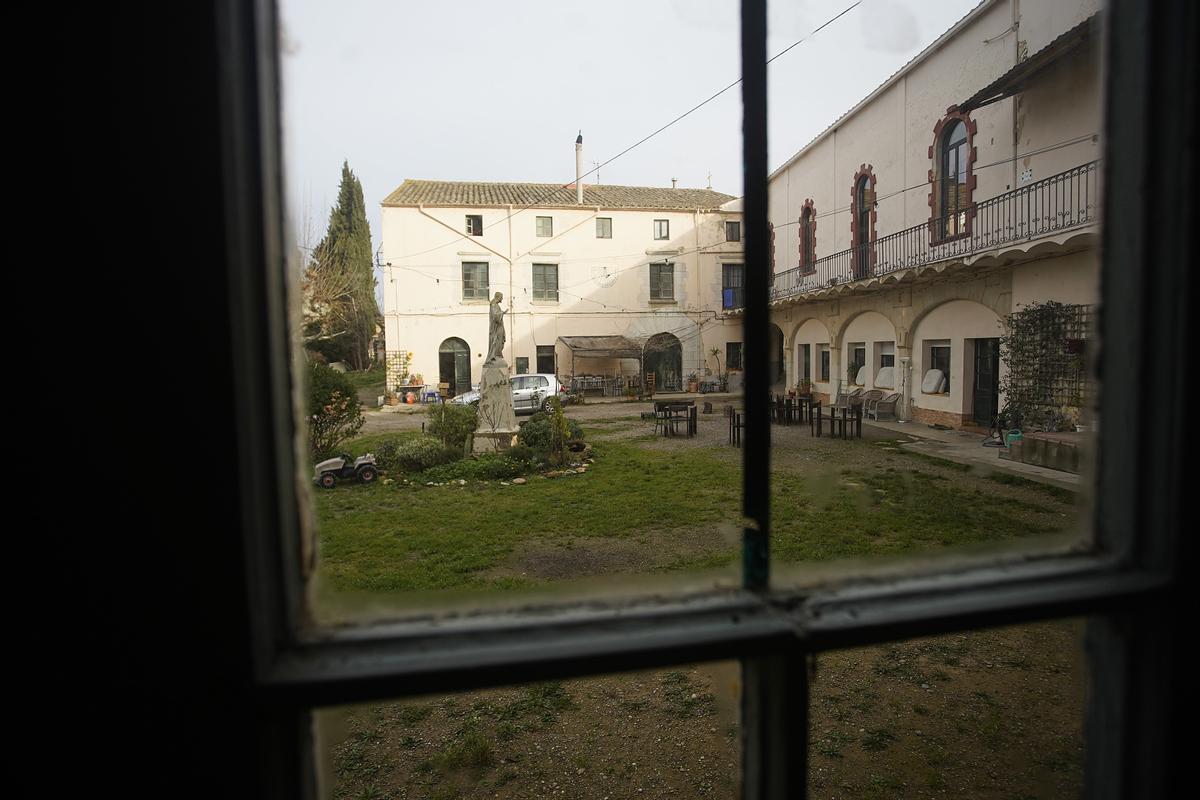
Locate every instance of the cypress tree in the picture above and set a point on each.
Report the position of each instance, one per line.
(344, 257)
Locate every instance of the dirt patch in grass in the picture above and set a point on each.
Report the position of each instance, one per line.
(642, 551)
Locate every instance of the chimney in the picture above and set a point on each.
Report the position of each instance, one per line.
(579, 169)
(673, 182)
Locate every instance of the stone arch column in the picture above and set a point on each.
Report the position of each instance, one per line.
(904, 362)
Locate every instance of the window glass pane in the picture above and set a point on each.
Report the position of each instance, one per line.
(545, 281)
(989, 714)
(733, 282)
(662, 281)
(661, 733)
(963, 377)
(733, 355)
(610, 283)
(474, 281)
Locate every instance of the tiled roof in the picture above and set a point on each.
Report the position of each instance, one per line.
(471, 193)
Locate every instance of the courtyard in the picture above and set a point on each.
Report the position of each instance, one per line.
(999, 711)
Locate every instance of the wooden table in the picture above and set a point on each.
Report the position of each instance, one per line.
(843, 420)
(674, 412)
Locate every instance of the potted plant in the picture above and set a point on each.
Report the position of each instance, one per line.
(391, 398)
(804, 387)
(852, 374)
(693, 382)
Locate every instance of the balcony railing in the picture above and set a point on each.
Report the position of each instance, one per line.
(1058, 203)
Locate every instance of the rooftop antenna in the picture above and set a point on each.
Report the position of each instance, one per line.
(710, 179)
(596, 164)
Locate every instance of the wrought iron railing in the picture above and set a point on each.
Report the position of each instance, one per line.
(1061, 202)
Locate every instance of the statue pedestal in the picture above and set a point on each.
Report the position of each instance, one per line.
(497, 420)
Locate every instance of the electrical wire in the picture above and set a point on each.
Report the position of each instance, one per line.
(974, 169)
(644, 139)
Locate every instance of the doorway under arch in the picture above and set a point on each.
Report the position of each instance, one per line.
(454, 365)
(775, 369)
(663, 355)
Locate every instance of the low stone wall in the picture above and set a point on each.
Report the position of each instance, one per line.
(947, 418)
(1053, 451)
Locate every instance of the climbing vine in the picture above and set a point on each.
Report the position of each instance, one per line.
(1044, 347)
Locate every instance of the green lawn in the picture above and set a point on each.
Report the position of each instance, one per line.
(989, 713)
(858, 500)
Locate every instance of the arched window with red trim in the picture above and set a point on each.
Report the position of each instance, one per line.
(862, 221)
(951, 177)
(808, 237)
(771, 274)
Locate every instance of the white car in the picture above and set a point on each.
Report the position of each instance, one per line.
(531, 393)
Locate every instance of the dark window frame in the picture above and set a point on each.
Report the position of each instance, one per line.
(474, 224)
(476, 291)
(546, 293)
(537, 227)
(662, 291)
(933, 361)
(666, 230)
(733, 355)
(733, 294)
(541, 353)
(736, 227)
(1129, 582)
(808, 237)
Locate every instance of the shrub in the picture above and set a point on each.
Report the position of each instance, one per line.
(548, 434)
(388, 454)
(333, 412)
(413, 455)
(452, 423)
(486, 467)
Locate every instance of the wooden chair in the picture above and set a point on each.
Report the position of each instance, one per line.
(661, 418)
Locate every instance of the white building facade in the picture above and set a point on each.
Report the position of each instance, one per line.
(963, 189)
(649, 265)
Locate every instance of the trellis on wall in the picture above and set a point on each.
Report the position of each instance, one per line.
(396, 367)
(1044, 348)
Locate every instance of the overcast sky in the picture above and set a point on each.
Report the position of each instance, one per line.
(482, 90)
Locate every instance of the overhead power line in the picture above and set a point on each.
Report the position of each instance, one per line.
(647, 137)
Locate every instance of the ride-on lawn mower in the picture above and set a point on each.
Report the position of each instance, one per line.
(327, 473)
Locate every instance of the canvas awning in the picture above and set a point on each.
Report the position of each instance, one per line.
(603, 346)
(1018, 79)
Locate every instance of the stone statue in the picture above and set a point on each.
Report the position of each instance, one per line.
(495, 331)
(497, 422)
